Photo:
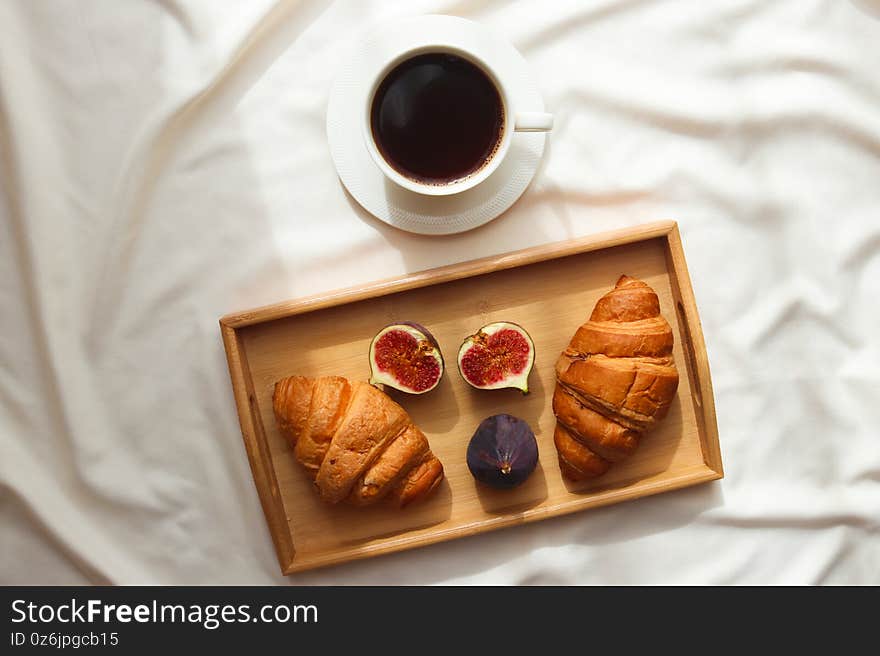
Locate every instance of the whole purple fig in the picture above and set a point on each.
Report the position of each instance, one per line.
(503, 451)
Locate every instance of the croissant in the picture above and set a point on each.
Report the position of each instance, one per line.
(354, 441)
(614, 381)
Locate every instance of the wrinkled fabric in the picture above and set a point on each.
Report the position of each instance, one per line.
(165, 163)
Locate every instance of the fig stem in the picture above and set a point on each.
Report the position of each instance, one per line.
(505, 467)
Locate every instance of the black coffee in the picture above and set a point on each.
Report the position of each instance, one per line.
(437, 118)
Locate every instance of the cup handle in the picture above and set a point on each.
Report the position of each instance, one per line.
(533, 122)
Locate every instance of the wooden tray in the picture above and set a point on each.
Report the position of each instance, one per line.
(550, 290)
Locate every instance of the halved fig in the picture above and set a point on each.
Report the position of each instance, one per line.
(405, 356)
(498, 355)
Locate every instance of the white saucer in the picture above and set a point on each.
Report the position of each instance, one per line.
(404, 209)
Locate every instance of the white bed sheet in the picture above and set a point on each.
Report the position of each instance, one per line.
(164, 163)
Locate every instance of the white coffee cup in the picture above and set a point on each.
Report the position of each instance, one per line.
(513, 122)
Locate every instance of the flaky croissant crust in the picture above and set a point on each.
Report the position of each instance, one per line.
(357, 444)
(615, 380)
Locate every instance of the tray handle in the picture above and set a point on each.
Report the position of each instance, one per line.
(690, 352)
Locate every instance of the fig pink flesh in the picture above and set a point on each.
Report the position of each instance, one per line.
(493, 358)
(403, 356)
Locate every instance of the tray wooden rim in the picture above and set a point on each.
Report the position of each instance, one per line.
(254, 436)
